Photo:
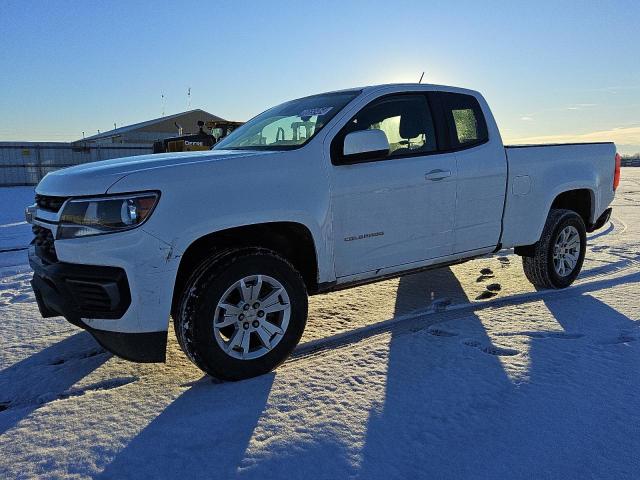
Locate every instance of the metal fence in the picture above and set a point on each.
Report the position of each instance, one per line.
(25, 163)
(631, 161)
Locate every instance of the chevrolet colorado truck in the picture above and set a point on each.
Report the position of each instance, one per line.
(314, 195)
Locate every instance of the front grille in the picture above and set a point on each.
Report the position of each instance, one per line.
(50, 203)
(44, 243)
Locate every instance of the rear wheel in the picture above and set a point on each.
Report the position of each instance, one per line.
(241, 313)
(558, 255)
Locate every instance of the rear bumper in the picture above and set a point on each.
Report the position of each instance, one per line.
(84, 292)
(602, 219)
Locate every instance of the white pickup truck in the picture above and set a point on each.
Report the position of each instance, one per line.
(314, 195)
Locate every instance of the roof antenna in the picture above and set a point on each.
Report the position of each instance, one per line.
(189, 98)
(421, 77)
(163, 102)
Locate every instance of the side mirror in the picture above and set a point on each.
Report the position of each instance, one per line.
(365, 145)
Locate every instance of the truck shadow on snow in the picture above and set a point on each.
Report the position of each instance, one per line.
(185, 440)
(46, 376)
(450, 408)
(567, 407)
(203, 434)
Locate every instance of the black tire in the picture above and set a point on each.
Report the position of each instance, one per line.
(539, 268)
(194, 320)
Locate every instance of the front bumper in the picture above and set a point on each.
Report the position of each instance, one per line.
(84, 292)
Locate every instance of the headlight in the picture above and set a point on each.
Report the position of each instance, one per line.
(100, 215)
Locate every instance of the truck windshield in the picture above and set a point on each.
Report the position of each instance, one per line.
(289, 125)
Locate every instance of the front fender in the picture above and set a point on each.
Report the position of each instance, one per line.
(198, 199)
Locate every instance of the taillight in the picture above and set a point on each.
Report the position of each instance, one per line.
(616, 173)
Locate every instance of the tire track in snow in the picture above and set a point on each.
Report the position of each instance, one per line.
(48, 397)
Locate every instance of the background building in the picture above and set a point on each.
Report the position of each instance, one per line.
(25, 163)
(154, 130)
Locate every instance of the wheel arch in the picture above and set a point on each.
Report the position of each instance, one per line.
(580, 200)
(293, 240)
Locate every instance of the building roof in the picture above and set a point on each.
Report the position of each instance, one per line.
(161, 124)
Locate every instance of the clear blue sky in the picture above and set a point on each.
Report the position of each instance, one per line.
(558, 68)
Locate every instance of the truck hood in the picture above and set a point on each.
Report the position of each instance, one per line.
(95, 178)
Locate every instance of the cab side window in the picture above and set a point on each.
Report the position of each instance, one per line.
(465, 121)
(406, 121)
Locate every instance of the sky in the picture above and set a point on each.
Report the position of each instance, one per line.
(552, 71)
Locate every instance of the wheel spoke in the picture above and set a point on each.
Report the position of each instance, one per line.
(245, 291)
(271, 328)
(226, 321)
(272, 298)
(573, 240)
(276, 307)
(265, 336)
(235, 339)
(246, 338)
(230, 309)
(255, 289)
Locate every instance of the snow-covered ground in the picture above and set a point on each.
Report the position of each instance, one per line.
(463, 372)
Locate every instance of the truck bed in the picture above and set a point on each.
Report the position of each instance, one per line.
(537, 174)
(528, 145)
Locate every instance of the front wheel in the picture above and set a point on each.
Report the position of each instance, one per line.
(558, 255)
(241, 313)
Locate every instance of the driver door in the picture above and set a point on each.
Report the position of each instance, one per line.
(397, 209)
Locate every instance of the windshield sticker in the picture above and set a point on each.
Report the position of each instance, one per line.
(310, 112)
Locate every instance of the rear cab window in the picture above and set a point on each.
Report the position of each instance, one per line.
(464, 120)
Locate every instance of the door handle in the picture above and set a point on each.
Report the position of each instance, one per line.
(438, 174)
